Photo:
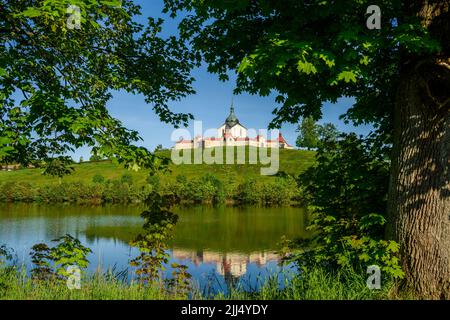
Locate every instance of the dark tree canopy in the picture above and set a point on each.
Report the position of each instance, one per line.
(55, 82)
(310, 52)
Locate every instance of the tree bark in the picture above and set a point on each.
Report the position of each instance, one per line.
(419, 195)
(419, 202)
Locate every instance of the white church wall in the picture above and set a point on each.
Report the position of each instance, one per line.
(238, 131)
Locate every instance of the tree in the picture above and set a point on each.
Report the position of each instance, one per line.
(327, 132)
(346, 190)
(308, 134)
(317, 51)
(59, 167)
(56, 78)
(95, 157)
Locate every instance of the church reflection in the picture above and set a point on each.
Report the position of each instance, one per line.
(230, 265)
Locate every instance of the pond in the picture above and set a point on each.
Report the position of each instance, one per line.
(220, 245)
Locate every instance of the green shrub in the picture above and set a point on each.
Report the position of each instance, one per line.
(17, 191)
(98, 178)
(127, 178)
(50, 262)
(347, 192)
(248, 192)
(154, 181)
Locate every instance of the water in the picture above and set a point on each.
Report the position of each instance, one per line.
(219, 245)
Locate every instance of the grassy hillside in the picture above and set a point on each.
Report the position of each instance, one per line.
(291, 161)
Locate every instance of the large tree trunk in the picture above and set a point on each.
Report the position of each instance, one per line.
(420, 183)
(419, 196)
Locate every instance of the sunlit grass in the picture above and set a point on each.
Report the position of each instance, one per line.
(316, 284)
(291, 161)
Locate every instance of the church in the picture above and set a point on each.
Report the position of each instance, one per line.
(233, 134)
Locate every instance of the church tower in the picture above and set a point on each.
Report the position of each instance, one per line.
(231, 120)
(232, 129)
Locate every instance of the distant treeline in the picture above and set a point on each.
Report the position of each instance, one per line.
(281, 190)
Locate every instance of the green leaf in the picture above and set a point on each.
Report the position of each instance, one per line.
(347, 76)
(306, 67)
(245, 64)
(329, 62)
(364, 60)
(31, 12)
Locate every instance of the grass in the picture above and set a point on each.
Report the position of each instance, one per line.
(317, 284)
(291, 161)
(18, 286)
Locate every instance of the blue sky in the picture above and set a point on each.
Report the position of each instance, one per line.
(210, 104)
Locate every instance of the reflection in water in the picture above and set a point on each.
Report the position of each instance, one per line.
(229, 269)
(227, 242)
(227, 264)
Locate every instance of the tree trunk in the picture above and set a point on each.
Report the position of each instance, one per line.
(419, 197)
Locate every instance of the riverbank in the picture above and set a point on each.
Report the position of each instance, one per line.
(207, 189)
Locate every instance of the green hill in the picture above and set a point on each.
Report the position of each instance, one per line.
(291, 162)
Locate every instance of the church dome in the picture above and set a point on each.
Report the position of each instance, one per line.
(231, 120)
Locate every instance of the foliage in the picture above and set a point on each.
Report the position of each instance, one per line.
(327, 131)
(280, 191)
(5, 254)
(347, 192)
(207, 189)
(311, 134)
(204, 189)
(51, 262)
(153, 244)
(318, 284)
(56, 81)
(308, 134)
(180, 282)
(310, 53)
(154, 181)
(98, 286)
(58, 167)
(98, 178)
(127, 178)
(95, 157)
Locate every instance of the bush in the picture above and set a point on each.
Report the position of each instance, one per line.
(347, 194)
(98, 178)
(127, 178)
(17, 191)
(206, 189)
(154, 181)
(53, 262)
(248, 192)
(76, 192)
